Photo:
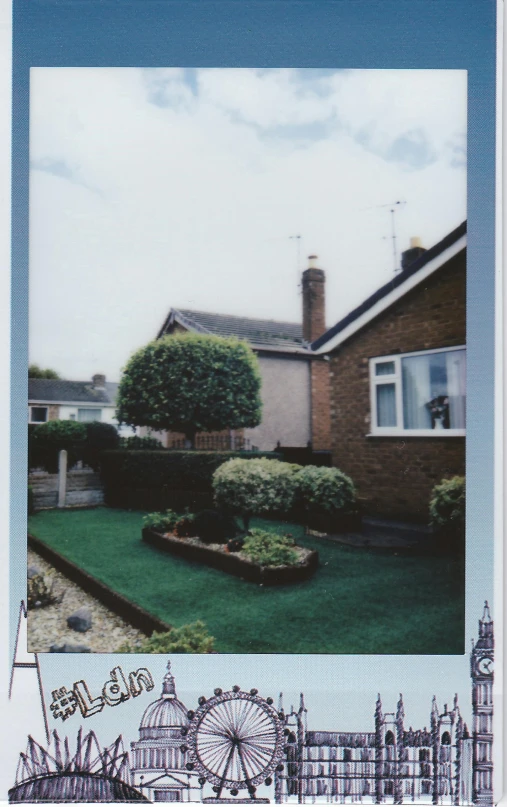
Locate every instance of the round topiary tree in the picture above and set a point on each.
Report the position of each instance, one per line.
(253, 487)
(191, 383)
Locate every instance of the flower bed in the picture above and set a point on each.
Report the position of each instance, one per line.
(235, 563)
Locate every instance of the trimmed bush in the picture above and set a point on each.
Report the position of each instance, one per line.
(253, 487)
(325, 490)
(99, 437)
(270, 548)
(48, 439)
(447, 513)
(136, 443)
(193, 638)
(213, 527)
(161, 522)
(143, 479)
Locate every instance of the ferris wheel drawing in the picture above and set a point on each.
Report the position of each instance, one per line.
(235, 740)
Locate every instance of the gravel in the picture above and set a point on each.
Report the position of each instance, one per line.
(48, 626)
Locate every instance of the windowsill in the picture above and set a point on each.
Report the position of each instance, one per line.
(445, 433)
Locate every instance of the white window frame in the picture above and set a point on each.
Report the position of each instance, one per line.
(89, 409)
(37, 406)
(396, 379)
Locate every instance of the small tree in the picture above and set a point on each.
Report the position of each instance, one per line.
(34, 371)
(191, 383)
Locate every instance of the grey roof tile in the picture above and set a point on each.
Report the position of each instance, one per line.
(261, 332)
(60, 391)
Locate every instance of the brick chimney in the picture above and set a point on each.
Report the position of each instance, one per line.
(410, 255)
(314, 301)
(99, 381)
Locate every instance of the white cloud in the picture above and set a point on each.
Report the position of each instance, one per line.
(189, 199)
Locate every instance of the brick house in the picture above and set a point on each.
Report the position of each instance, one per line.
(295, 406)
(397, 382)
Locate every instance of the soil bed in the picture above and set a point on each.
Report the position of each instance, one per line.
(236, 563)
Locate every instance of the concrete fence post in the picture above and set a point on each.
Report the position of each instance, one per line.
(62, 477)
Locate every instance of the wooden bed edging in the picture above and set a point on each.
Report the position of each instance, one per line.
(120, 605)
(231, 563)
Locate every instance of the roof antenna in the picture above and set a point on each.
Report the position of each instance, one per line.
(393, 207)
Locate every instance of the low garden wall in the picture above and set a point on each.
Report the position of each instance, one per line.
(83, 488)
(231, 563)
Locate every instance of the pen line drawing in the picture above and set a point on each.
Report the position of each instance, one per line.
(237, 739)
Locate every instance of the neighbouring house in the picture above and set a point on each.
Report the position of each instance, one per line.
(294, 381)
(397, 375)
(84, 401)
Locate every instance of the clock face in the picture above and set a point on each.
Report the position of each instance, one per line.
(485, 665)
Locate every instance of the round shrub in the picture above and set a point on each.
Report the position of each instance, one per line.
(252, 487)
(193, 638)
(447, 512)
(136, 443)
(325, 490)
(48, 439)
(270, 548)
(214, 527)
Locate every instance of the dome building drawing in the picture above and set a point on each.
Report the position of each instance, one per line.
(158, 766)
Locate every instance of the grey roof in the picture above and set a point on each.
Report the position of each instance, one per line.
(268, 334)
(51, 390)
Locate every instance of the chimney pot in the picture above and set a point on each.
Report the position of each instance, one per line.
(99, 381)
(415, 251)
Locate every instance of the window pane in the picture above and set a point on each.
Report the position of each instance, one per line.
(87, 415)
(386, 405)
(384, 368)
(434, 390)
(39, 414)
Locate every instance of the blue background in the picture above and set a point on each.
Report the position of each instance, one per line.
(457, 34)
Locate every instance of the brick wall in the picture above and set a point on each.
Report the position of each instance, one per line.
(395, 476)
(321, 421)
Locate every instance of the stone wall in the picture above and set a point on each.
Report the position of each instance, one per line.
(394, 476)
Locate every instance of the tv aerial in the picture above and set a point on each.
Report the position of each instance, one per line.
(393, 209)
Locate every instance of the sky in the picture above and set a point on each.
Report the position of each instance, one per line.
(160, 188)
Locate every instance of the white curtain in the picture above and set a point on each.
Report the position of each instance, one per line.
(386, 405)
(416, 392)
(430, 376)
(456, 381)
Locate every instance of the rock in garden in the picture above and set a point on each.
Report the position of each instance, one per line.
(33, 571)
(80, 620)
(69, 648)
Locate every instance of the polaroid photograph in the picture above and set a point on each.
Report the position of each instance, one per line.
(254, 492)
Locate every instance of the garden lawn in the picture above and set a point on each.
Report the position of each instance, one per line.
(359, 601)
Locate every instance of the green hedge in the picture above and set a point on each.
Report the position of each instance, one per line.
(132, 478)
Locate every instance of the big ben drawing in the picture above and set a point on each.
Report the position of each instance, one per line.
(481, 661)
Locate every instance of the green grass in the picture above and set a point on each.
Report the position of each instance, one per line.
(359, 601)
